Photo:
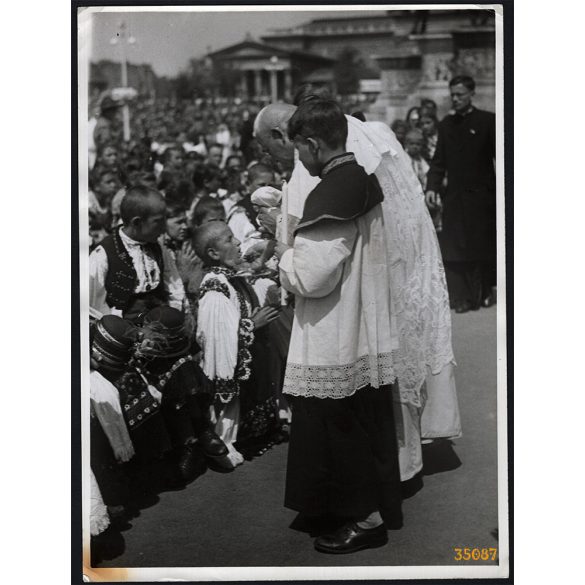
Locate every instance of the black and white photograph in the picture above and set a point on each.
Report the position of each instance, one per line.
(293, 283)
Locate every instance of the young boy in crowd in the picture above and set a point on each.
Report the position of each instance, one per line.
(207, 209)
(129, 272)
(414, 144)
(177, 242)
(430, 129)
(215, 155)
(400, 128)
(98, 231)
(172, 172)
(104, 184)
(240, 212)
(227, 325)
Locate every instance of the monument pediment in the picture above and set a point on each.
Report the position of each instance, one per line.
(255, 50)
(248, 49)
(250, 52)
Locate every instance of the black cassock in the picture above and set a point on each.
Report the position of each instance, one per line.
(465, 155)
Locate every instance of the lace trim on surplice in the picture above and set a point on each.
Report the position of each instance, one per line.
(339, 381)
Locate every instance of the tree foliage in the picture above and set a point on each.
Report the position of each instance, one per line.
(203, 78)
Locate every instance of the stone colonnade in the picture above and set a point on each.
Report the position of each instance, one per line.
(267, 80)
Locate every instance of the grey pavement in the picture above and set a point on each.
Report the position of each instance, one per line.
(238, 519)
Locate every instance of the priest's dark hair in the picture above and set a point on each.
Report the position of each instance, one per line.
(322, 119)
(308, 91)
(464, 80)
(138, 202)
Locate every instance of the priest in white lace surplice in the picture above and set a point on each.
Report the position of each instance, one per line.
(226, 330)
(425, 397)
(343, 454)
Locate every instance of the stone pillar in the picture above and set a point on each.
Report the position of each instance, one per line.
(257, 83)
(287, 84)
(244, 85)
(273, 86)
(475, 55)
(436, 70)
(400, 73)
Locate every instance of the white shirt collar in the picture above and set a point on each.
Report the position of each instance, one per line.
(128, 241)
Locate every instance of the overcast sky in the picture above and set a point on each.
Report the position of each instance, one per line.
(168, 40)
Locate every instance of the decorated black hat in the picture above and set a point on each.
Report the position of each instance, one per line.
(164, 333)
(113, 342)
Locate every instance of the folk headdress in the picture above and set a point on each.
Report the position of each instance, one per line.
(113, 342)
(164, 334)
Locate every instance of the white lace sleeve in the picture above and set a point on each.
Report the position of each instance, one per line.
(314, 266)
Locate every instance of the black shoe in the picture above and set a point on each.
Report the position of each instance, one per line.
(463, 307)
(351, 538)
(489, 301)
(212, 445)
(190, 462)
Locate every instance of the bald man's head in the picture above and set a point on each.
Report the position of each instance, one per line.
(270, 129)
(216, 245)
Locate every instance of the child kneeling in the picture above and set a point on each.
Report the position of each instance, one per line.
(228, 322)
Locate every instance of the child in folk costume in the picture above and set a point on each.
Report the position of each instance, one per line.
(117, 382)
(229, 332)
(129, 272)
(110, 445)
(240, 213)
(166, 353)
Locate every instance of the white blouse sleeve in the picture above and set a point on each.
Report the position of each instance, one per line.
(172, 280)
(98, 269)
(105, 402)
(242, 228)
(218, 323)
(313, 267)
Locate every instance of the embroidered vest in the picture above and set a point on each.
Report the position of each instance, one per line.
(121, 278)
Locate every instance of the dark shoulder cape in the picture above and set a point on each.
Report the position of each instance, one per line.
(345, 193)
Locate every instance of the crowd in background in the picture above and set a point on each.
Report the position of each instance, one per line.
(189, 149)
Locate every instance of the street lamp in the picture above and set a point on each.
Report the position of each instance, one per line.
(123, 39)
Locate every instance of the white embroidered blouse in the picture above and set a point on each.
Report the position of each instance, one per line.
(147, 271)
(219, 321)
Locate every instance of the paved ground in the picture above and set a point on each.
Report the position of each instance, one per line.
(237, 519)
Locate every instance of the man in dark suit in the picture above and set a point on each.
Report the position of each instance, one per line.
(465, 155)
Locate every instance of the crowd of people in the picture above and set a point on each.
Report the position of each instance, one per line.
(193, 301)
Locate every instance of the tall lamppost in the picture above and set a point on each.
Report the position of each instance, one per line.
(123, 40)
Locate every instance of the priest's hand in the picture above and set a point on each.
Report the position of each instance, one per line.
(264, 316)
(433, 200)
(280, 249)
(267, 218)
